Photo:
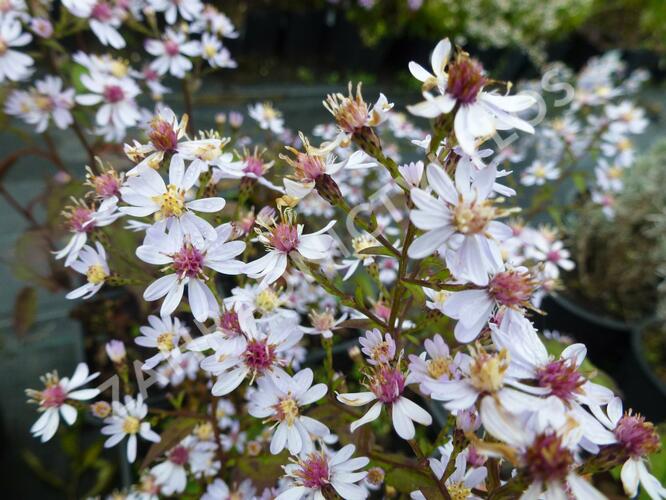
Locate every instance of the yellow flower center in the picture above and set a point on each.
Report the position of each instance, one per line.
(172, 203)
(487, 370)
(362, 242)
(615, 172)
(96, 274)
(472, 218)
(209, 51)
(287, 410)
(131, 425)
(624, 144)
(438, 366)
(267, 300)
(119, 69)
(204, 431)
(458, 491)
(3, 46)
(165, 341)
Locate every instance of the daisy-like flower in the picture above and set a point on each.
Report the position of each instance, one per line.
(106, 184)
(359, 243)
(284, 239)
(619, 147)
(268, 117)
(352, 114)
(173, 52)
(464, 218)
(462, 481)
(539, 172)
(115, 97)
(636, 439)
(128, 420)
(626, 118)
(187, 260)
(171, 474)
(90, 262)
(280, 399)
(217, 55)
(104, 18)
(509, 291)
(80, 220)
(189, 10)
(435, 363)
(164, 333)
(46, 101)
(609, 176)
(323, 323)
(147, 194)
(546, 455)
(460, 83)
(256, 354)
(435, 299)
(164, 134)
(14, 65)
(53, 400)
(387, 385)
(379, 350)
(250, 165)
(552, 253)
(317, 472)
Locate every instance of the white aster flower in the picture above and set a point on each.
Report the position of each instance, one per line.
(217, 55)
(187, 259)
(316, 471)
(103, 17)
(127, 420)
(52, 400)
(14, 65)
(219, 490)
(118, 109)
(460, 83)
(280, 398)
(268, 117)
(538, 173)
(164, 333)
(90, 262)
(189, 10)
(172, 53)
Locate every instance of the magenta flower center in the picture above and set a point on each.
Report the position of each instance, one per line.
(388, 384)
(259, 356)
(553, 256)
(163, 136)
(114, 93)
(53, 397)
(547, 460)
(179, 455)
(80, 220)
(107, 185)
(637, 436)
(314, 471)
(561, 377)
(308, 167)
(189, 261)
(511, 288)
(254, 165)
(466, 79)
(102, 11)
(284, 237)
(171, 48)
(229, 322)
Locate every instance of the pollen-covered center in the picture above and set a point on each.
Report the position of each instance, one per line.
(53, 396)
(487, 370)
(96, 274)
(458, 491)
(189, 261)
(437, 367)
(171, 202)
(511, 288)
(162, 135)
(466, 79)
(638, 437)
(131, 425)
(287, 410)
(473, 217)
(165, 341)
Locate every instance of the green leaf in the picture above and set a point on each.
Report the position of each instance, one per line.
(379, 250)
(578, 179)
(265, 470)
(407, 480)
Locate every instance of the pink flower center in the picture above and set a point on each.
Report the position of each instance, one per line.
(561, 377)
(107, 185)
(254, 165)
(229, 322)
(547, 460)
(308, 167)
(388, 384)
(284, 237)
(259, 356)
(638, 437)
(113, 93)
(163, 136)
(553, 256)
(189, 261)
(179, 455)
(466, 79)
(171, 48)
(314, 471)
(79, 220)
(53, 397)
(102, 11)
(511, 288)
